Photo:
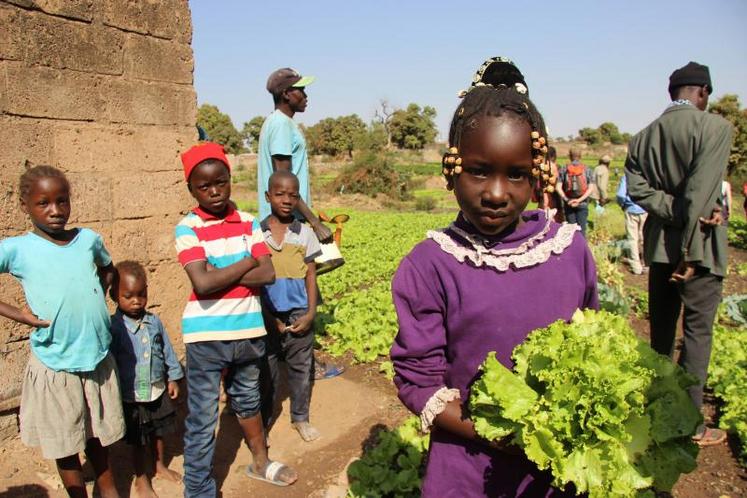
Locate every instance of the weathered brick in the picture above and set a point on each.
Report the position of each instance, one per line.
(112, 148)
(74, 9)
(161, 237)
(51, 93)
(161, 60)
(130, 240)
(11, 40)
(150, 103)
(168, 291)
(52, 41)
(12, 216)
(91, 198)
(24, 140)
(169, 19)
(12, 293)
(149, 194)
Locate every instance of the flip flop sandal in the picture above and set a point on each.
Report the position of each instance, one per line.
(710, 437)
(328, 372)
(307, 431)
(271, 472)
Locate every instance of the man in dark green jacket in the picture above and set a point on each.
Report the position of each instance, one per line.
(674, 171)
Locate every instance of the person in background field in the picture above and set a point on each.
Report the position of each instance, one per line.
(674, 171)
(70, 400)
(472, 288)
(289, 304)
(602, 180)
(225, 257)
(726, 200)
(635, 218)
(148, 374)
(575, 185)
(282, 146)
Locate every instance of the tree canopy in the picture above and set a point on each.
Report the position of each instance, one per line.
(335, 136)
(413, 127)
(250, 132)
(605, 132)
(728, 106)
(219, 128)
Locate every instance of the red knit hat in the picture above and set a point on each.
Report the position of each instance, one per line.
(201, 152)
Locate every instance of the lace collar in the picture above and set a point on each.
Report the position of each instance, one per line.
(534, 250)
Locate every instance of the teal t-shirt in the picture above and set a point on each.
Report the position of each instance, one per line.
(280, 135)
(61, 285)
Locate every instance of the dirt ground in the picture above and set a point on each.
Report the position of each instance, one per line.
(348, 410)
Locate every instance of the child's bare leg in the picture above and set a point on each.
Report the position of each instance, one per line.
(99, 458)
(254, 435)
(143, 486)
(71, 474)
(161, 469)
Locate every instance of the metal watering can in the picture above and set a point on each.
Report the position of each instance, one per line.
(331, 256)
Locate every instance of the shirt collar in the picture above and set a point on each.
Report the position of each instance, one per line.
(679, 102)
(132, 325)
(295, 225)
(232, 214)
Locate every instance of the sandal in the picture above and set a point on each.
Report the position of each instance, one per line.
(272, 470)
(307, 431)
(710, 437)
(323, 371)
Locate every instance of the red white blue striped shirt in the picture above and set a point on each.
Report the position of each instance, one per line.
(232, 313)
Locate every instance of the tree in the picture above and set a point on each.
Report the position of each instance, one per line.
(383, 116)
(219, 128)
(610, 133)
(413, 128)
(591, 136)
(335, 136)
(728, 106)
(250, 132)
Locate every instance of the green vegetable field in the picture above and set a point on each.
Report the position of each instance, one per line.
(357, 321)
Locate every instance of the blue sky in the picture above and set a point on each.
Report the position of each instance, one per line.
(585, 61)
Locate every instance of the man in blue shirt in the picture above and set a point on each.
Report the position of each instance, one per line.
(635, 217)
(282, 145)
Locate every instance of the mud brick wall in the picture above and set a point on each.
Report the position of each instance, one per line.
(103, 90)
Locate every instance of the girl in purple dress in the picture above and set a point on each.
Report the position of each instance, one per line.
(483, 284)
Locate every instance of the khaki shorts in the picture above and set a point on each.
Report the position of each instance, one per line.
(60, 411)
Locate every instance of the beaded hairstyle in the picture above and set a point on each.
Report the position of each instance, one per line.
(31, 175)
(497, 88)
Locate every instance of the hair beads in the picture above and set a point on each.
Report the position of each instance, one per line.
(488, 100)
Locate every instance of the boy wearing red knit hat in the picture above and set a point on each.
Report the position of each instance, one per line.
(223, 252)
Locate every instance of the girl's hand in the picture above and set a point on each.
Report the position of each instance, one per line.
(27, 317)
(505, 445)
(281, 326)
(302, 324)
(173, 389)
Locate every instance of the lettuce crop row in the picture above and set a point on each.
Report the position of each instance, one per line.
(727, 376)
(393, 467)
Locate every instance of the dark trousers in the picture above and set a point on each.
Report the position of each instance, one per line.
(578, 215)
(298, 352)
(700, 296)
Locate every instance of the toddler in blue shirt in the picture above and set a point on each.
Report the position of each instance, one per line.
(148, 369)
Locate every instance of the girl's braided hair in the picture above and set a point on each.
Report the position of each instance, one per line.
(495, 98)
(31, 175)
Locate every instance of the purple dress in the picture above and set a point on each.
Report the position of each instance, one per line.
(454, 305)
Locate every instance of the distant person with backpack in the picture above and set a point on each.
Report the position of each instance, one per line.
(575, 185)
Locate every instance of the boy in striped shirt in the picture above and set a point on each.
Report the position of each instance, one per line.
(223, 253)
